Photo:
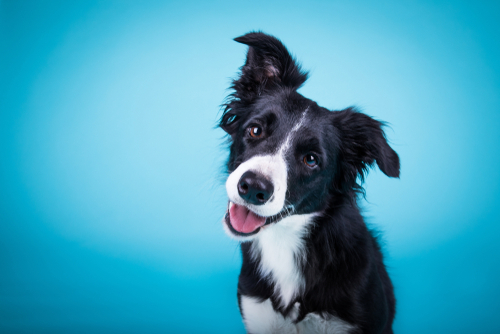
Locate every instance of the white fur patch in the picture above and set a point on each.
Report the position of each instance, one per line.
(286, 144)
(280, 248)
(260, 318)
(272, 167)
(315, 324)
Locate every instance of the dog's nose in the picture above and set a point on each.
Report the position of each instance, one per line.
(254, 189)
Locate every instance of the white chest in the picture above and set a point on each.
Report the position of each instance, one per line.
(281, 250)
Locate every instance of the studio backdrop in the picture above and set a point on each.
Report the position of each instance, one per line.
(112, 167)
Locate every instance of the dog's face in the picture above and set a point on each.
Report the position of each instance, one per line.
(282, 158)
(288, 155)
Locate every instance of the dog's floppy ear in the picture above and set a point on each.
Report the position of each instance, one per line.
(362, 142)
(268, 64)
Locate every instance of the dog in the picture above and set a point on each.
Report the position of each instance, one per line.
(310, 264)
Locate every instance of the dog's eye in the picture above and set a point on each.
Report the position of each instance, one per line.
(255, 131)
(310, 160)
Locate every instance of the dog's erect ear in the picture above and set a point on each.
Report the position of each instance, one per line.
(362, 142)
(268, 64)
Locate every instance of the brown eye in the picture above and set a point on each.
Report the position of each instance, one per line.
(256, 131)
(310, 160)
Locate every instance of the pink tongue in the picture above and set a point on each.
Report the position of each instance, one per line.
(244, 220)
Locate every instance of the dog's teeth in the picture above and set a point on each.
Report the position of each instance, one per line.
(230, 204)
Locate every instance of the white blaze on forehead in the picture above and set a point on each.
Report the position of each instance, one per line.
(274, 168)
(286, 144)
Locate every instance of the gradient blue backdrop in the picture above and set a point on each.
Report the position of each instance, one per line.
(111, 191)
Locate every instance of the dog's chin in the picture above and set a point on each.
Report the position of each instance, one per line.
(247, 227)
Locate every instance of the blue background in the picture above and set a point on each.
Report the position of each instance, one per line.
(111, 183)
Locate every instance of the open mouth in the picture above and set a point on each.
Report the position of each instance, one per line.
(244, 222)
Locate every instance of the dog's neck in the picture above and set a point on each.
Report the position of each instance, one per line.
(280, 250)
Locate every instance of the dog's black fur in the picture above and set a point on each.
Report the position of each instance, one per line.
(344, 273)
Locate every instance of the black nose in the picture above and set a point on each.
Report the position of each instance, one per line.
(254, 189)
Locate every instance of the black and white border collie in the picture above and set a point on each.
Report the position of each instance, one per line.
(310, 264)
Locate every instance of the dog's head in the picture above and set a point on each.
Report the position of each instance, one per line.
(288, 155)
